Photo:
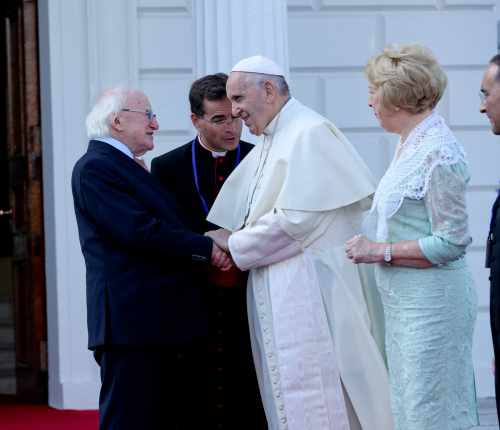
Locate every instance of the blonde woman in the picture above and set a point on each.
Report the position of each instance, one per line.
(417, 237)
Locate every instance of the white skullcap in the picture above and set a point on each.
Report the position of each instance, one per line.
(258, 64)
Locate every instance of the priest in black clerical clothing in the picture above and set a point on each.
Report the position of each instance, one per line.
(194, 173)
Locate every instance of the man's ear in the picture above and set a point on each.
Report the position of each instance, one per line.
(270, 91)
(195, 120)
(114, 122)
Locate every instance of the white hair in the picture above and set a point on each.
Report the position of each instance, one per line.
(260, 78)
(111, 101)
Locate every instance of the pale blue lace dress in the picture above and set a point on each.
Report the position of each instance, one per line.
(430, 313)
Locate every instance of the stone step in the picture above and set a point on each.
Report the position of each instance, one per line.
(10, 346)
(7, 352)
(7, 360)
(6, 315)
(7, 373)
(8, 385)
(6, 322)
(5, 310)
(7, 335)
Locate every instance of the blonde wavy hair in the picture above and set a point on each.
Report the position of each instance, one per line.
(409, 76)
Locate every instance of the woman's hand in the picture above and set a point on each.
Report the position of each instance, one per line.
(359, 249)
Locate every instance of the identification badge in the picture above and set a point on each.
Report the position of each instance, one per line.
(489, 246)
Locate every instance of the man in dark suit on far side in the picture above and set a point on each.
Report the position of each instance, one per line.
(490, 106)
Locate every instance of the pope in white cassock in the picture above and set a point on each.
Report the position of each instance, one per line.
(286, 212)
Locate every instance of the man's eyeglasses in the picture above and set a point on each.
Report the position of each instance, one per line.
(149, 114)
(220, 121)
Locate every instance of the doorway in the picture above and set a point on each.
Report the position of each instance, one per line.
(23, 334)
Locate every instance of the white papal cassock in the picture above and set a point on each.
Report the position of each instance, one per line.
(291, 204)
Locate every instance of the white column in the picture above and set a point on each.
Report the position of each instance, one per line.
(112, 37)
(84, 47)
(229, 30)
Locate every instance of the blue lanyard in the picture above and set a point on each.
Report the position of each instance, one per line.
(195, 172)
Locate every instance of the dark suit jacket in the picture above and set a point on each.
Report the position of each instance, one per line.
(174, 171)
(493, 262)
(493, 245)
(138, 254)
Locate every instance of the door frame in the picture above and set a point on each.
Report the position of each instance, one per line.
(24, 147)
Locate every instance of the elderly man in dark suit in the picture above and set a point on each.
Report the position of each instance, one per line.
(198, 169)
(490, 106)
(145, 314)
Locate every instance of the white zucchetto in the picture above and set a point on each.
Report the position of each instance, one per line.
(258, 64)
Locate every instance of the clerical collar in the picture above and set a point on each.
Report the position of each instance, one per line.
(215, 154)
(271, 127)
(116, 144)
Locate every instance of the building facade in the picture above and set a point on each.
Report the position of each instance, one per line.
(161, 46)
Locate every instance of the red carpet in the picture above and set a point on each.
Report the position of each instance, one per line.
(38, 417)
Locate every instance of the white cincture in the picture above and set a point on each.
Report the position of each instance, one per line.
(431, 143)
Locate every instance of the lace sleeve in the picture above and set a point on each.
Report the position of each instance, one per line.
(446, 208)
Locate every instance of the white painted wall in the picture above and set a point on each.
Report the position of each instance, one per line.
(162, 45)
(65, 87)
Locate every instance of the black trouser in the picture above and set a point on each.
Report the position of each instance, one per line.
(233, 396)
(495, 333)
(146, 388)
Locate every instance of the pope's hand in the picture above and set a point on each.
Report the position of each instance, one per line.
(359, 249)
(220, 258)
(220, 237)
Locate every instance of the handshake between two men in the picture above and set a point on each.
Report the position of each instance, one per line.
(220, 251)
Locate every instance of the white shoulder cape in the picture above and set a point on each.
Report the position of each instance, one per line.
(311, 167)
